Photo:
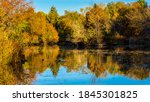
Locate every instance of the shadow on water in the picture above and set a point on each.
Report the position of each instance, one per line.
(54, 65)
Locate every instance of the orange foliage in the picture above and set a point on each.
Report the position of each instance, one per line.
(38, 24)
(51, 34)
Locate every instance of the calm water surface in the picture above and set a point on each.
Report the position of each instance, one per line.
(55, 66)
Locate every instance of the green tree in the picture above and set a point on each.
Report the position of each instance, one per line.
(115, 9)
(53, 16)
(143, 3)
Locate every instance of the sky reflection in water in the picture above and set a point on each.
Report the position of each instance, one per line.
(79, 78)
(54, 66)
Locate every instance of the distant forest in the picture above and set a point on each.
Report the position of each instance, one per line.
(97, 25)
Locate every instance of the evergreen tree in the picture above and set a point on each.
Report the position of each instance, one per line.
(53, 16)
(143, 3)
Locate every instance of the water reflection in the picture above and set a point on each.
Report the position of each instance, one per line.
(52, 65)
(38, 59)
(12, 75)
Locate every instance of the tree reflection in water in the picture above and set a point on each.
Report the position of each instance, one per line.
(38, 59)
(97, 62)
(128, 64)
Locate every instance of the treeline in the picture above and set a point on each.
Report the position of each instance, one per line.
(94, 25)
(97, 25)
(114, 23)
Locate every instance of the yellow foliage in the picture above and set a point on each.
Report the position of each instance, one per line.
(7, 49)
(38, 24)
(51, 34)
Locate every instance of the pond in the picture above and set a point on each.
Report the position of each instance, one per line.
(54, 65)
(51, 65)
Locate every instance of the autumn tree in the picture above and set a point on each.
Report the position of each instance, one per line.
(44, 30)
(72, 27)
(139, 22)
(13, 24)
(15, 13)
(97, 24)
(38, 23)
(133, 21)
(51, 35)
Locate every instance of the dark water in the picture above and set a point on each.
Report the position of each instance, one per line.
(55, 66)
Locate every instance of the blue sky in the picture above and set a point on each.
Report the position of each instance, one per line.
(72, 5)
